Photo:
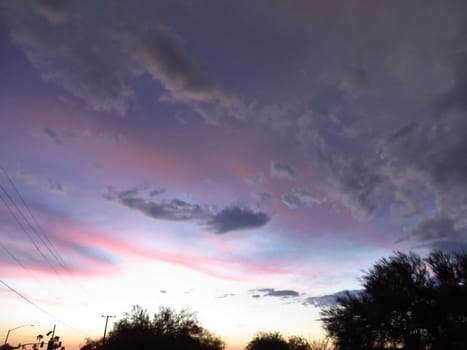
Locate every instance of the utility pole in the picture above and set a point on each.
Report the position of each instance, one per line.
(105, 329)
(51, 342)
(8, 333)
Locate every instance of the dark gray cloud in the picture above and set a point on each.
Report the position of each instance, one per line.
(53, 136)
(455, 97)
(172, 210)
(264, 199)
(283, 293)
(426, 152)
(156, 192)
(263, 290)
(225, 220)
(414, 55)
(77, 55)
(438, 233)
(444, 245)
(430, 155)
(359, 183)
(226, 295)
(329, 299)
(56, 11)
(404, 131)
(434, 148)
(237, 218)
(281, 170)
(160, 52)
(46, 184)
(271, 292)
(433, 229)
(299, 199)
(56, 187)
(99, 63)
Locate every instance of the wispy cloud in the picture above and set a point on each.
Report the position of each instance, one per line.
(299, 199)
(281, 170)
(55, 11)
(67, 56)
(53, 136)
(160, 53)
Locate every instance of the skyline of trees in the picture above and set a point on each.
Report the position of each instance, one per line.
(407, 301)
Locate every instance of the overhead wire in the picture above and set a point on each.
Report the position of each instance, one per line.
(18, 261)
(25, 298)
(25, 225)
(41, 233)
(41, 238)
(23, 228)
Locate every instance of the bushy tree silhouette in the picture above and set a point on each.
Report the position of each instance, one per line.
(407, 302)
(167, 330)
(92, 344)
(275, 341)
(298, 343)
(268, 341)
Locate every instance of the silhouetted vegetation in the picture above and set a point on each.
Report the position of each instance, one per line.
(407, 302)
(321, 345)
(268, 341)
(275, 341)
(92, 344)
(9, 347)
(166, 330)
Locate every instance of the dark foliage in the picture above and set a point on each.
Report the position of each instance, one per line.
(407, 302)
(275, 341)
(166, 330)
(8, 347)
(298, 343)
(92, 344)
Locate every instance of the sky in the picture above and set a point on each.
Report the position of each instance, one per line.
(244, 159)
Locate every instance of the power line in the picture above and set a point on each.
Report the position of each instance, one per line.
(22, 296)
(50, 246)
(20, 224)
(38, 231)
(23, 216)
(18, 261)
(11, 255)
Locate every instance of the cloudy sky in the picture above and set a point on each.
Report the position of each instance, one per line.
(240, 158)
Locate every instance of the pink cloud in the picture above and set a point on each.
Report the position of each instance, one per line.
(216, 267)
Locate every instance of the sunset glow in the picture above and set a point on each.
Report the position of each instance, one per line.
(243, 159)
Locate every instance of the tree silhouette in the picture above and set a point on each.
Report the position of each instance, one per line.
(275, 341)
(268, 341)
(298, 343)
(9, 347)
(167, 330)
(406, 302)
(92, 344)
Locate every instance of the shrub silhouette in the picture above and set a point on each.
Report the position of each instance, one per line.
(321, 345)
(275, 341)
(166, 330)
(268, 341)
(407, 302)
